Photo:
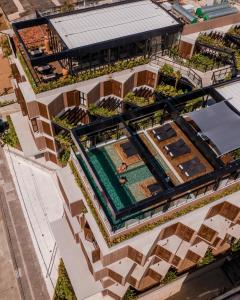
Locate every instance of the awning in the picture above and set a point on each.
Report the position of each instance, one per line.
(221, 124)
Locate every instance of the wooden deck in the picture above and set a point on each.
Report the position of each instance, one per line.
(128, 160)
(179, 160)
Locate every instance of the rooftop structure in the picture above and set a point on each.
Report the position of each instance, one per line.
(102, 25)
(90, 38)
(176, 184)
(166, 163)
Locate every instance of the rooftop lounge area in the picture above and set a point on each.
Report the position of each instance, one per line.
(71, 43)
(150, 160)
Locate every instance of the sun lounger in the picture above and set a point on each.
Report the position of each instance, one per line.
(163, 133)
(192, 167)
(158, 130)
(154, 188)
(177, 148)
(129, 149)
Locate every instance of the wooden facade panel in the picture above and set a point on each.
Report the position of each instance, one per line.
(185, 49)
(77, 208)
(40, 142)
(43, 110)
(184, 232)
(94, 95)
(229, 211)
(128, 86)
(206, 233)
(50, 144)
(53, 158)
(151, 79)
(116, 88)
(56, 106)
(33, 110)
(141, 78)
(46, 128)
(107, 88)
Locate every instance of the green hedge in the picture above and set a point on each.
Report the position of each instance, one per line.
(63, 289)
(10, 137)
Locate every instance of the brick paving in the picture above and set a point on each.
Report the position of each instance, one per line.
(31, 283)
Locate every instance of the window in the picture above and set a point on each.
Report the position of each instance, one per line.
(34, 125)
(83, 100)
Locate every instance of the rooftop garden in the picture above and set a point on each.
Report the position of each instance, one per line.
(85, 75)
(137, 100)
(99, 111)
(222, 42)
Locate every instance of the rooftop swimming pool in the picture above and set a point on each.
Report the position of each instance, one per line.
(105, 161)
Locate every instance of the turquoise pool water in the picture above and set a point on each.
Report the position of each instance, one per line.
(105, 161)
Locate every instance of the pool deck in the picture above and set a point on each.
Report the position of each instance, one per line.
(174, 162)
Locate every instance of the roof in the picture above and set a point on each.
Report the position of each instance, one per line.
(74, 261)
(104, 24)
(221, 124)
(231, 93)
(72, 191)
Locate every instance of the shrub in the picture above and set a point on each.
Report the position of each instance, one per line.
(207, 259)
(63, 123)
(101, 111)
(64, 156)
(10, 137)
(4, 44)
(235, 247)
(167, 69)
(130, 294)
(139, 101)
(168, 90)
(63, 289)
(170, 276)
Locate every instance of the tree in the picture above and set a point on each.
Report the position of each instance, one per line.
(63, 289)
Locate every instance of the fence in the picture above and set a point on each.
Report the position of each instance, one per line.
(190, 74)
(222, 74)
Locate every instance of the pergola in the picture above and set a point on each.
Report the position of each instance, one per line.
(164, 198)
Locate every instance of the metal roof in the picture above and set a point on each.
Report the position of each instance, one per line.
(109, 23)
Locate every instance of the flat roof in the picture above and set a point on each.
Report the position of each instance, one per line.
(109, 23)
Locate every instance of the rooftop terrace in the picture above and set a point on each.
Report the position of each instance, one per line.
(168, 161)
